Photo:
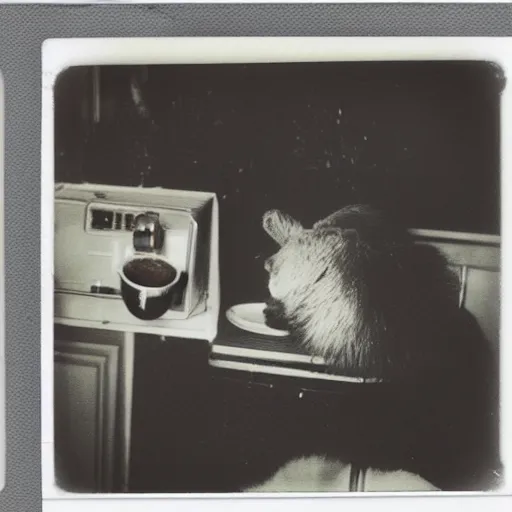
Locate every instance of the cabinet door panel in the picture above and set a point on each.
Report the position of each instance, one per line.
(72, 386)
(123, 397)
(78, 420)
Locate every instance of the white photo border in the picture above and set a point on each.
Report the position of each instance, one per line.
(59, 54)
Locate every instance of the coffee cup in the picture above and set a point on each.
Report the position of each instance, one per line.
(147, 283)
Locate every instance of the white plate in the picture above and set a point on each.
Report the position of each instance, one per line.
(250, 317)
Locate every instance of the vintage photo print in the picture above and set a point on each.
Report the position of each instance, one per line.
(274, 266)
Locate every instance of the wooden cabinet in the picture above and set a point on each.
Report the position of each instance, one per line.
(89, 410)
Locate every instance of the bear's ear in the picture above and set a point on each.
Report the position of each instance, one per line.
(280, 226)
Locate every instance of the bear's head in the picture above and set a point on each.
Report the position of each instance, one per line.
(357, 290)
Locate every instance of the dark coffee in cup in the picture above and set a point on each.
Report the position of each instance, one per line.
(149, 272)
(147, 285)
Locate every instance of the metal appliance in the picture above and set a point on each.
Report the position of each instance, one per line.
(98, 228)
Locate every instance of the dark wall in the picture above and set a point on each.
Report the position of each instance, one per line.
(419, 139)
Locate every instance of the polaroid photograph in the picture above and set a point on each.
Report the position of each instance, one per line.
(2, 294)
(273, 267)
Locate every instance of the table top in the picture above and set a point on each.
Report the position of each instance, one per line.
(237, 349)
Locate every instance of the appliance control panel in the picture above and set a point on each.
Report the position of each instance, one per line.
(106, 218)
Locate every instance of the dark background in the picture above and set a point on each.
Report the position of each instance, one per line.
(420, 139)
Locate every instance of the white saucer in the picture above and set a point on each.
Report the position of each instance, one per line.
(250, 317)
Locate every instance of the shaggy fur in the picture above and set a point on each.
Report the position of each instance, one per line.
(320, 474)
(358, 291)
